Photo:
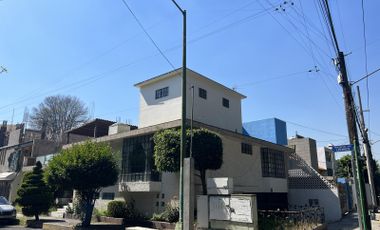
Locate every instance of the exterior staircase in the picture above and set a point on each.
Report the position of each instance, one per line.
(303, 176)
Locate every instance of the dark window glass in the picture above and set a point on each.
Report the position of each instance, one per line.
(162, 204)
(272, 163)
(226, 103)
(164, 92)
(202, 93)
(108, 196)
(246, 148)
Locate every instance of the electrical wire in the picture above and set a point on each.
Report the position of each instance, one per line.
(147, 34)
(315, 129)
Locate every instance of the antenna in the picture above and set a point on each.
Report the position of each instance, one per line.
(25, 118)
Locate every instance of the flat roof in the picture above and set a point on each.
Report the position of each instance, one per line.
(88, 128)
(177, 123)
(179, 70)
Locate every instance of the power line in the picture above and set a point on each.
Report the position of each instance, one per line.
(96, 77)
(272, 79)
(147, 34)
(315, 129)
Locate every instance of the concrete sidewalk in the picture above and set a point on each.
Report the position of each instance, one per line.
(350, 222)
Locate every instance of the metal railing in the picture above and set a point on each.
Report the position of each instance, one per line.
(145, 176)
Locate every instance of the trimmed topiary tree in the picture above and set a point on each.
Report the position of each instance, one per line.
(207, 151)
(34, 196)
(87, 168)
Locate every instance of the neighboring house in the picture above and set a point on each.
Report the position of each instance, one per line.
(326, 163)
(271, 129)
(306, 148)
(18, 153)
(256, 166)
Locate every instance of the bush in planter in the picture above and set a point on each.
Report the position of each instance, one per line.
(120, 209)
(117, 209)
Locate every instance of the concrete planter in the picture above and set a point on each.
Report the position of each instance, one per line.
(112, 220)
(65, 226)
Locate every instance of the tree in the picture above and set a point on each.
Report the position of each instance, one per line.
(207, 151)
(86, 168)
(343, 168)
(34, 196)
(57, 114)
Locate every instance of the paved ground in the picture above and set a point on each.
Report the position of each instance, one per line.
(350, 222)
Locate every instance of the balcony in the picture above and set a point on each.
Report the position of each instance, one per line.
(140, 182)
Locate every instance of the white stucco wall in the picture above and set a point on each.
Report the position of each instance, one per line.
(322, 159)
(209, 111)
(328, 199)
(246, 169)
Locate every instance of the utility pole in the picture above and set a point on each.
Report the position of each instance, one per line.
(183, 118)
(368, 153)
(357, 168)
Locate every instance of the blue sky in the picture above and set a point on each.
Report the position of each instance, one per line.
(95, 50)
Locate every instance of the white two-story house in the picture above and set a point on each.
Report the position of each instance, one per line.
(256, 166)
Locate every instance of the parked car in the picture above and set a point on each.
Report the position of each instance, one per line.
(7, 211)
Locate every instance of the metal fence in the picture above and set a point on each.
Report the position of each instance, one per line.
(299, 217)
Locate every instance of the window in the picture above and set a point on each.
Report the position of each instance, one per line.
(330, 172)
(202, 93)
(313, 202)
(108, 196)
(164, 92)
(162, 195)
(162, 204)
(272, 163)
(226, 103)
(246, 148)
(157, 204)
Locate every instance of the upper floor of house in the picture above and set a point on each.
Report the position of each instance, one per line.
(326, 161)
(210, 102)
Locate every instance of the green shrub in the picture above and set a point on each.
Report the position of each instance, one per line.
(170, 214)
(117, 209)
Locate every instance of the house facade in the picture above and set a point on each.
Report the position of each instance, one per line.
(256, 166)
(326, 162)
(19, 149)
(306, 148)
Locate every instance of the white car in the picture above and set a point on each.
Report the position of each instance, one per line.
(7, 211)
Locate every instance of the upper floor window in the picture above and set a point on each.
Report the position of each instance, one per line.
(226, 102)
(272, 163)
(246, 148)
(164, 92)
(202, 93)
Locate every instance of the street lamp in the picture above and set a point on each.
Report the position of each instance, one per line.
(183, 119)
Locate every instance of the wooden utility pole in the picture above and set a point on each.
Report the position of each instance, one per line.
(357, 168)
(368, 153)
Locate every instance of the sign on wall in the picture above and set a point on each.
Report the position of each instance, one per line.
(219, 208)
(241, 210)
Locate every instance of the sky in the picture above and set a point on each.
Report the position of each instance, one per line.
(277, 53)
